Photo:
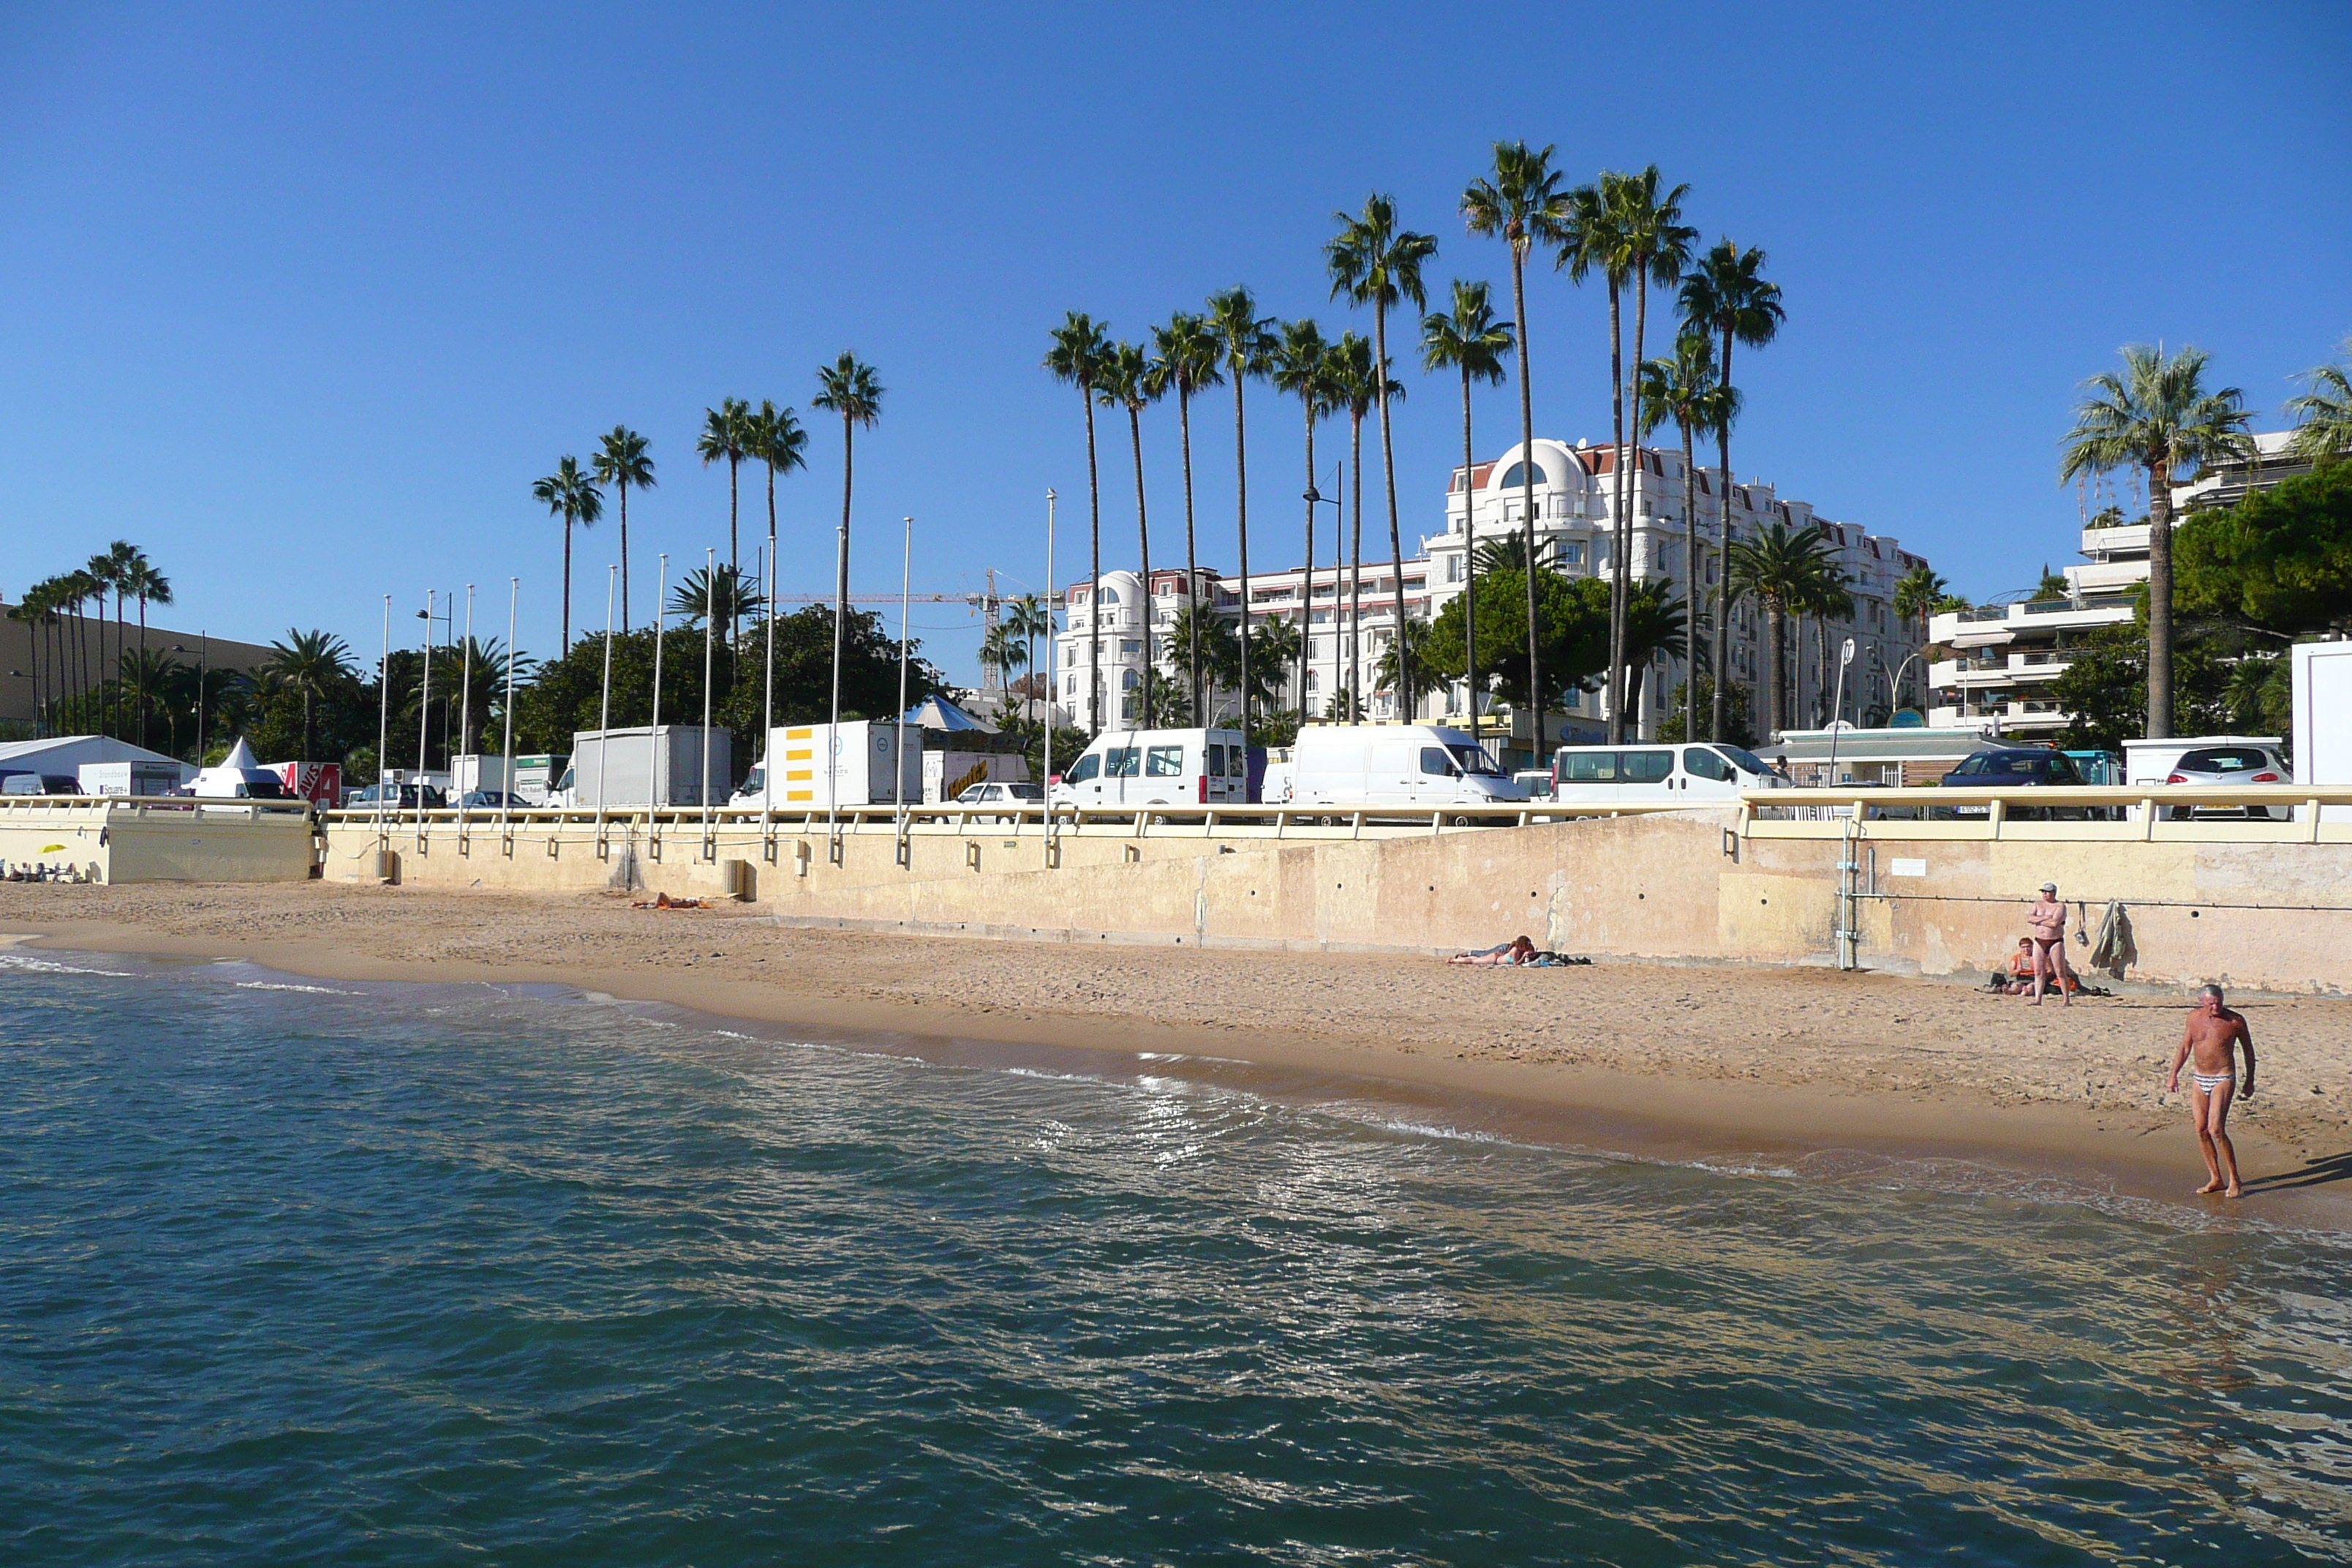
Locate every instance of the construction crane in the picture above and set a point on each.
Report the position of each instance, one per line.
(990, 678)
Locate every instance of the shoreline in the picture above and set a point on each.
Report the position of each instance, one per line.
(1702, 1102)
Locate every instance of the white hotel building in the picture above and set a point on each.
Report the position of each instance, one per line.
(1573, 495)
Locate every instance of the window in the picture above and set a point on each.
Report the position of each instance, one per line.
(1216, 759)
(1129, 680)
(1313, 682)
(1164, 763)
(1453, 568)
(1110, 595)
(1130, 645)
(1571, 554)
(1121, 762)
(1589, 767)
(1434, 762)
(1702, 763)
(1089, 765)
(1516, 479)
(1648, 767)
(1474, 760)
(1167, 587)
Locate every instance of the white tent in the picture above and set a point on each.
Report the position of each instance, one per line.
(240, 777)
(66, 754)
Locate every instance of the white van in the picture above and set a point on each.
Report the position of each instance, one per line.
(1658, 774)
(1158, 767)
(1395, 764)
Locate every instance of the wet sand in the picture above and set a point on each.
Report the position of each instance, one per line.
(1791, 1069)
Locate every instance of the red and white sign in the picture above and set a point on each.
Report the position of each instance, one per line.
(321, 784)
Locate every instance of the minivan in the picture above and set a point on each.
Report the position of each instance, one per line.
(1396, 765)
(1158, 767)
(1711, 775)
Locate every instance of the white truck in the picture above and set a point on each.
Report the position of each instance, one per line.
(1396, 765)
(138, 778)
(2321, 674)
(643, 767)
(814, 767)
(1158, 767)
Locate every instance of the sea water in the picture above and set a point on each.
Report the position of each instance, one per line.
(312, 1272)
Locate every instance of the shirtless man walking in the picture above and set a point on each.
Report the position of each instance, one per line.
(2212, 1039)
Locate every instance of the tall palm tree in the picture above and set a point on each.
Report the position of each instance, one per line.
(1245, 342)
(1468, 339)
(34, 612)
(1727, 298)
(1658, 244)
(1356, 387)
(624, 459)
(314, 663)
(149, 587)
(1302, 367)
(1373, 262)
(572, 496)
(1593, 238)
(850, 388)
(1028, 618)
(1684, 390)
(1916, 598)
(1521, 200)
(1186, 353)
(1829, 597)
(1782, 568)
(2158, 417)
(2324, 430)
(727, 433)
(777, 441)
(1130, 380)
(1081, 349)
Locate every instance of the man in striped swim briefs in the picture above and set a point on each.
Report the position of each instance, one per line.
(2212, 1039)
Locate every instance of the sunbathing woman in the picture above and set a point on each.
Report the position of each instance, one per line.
(1517, 950)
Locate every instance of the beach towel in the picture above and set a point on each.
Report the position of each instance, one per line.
(2114, 950)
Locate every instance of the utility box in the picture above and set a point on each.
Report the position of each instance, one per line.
(132, 778)
(816, 766)
(2322, 673)
(650, 767)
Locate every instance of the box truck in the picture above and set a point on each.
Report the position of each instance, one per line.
(647, 767)
(135, 778)
(811, 767)
(948, 774)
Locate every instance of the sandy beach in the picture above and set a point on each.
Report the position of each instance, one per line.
(1666, 1060)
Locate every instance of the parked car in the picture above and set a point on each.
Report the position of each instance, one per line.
(1537, 782)
(1659, 774)
(362, 799)
(2018, 767)
(40, 784)
(1002, 794)
(492, 800)
(2231, 766)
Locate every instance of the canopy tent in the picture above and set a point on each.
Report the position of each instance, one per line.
(239, 776)
(938, 713)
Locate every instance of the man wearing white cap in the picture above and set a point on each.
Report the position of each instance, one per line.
(2047, 917)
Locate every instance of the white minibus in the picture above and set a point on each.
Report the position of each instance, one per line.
(1658, 774)
(1158, 767)
(1395, 764)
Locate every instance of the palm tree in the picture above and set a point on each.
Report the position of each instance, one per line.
(1302, 367)
(728, 592)
(1245, 342)
(34, 612)
(1683, 389)
(148, 586)
(850, 388)
(1355, 386)
(1469, 340)
(1081, 349)
(2324, 415)
(622, 460)
(1594, 236)
(1917, 595)
(1130, 380)
(2158, 416)
(1522, 201)
(1658, 245)
(1205, 640)
(1186, 354)
(572, 496)
(727, 433)
(1028, 618)
(777, 441)
(314, 663)
(1782, 569)
(1374, 262)
(1727, 298)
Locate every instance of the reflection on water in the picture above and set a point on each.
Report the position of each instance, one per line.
(359, 1274)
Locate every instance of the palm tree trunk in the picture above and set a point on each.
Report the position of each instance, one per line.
(2159, 602)
(1691, 575)
(1775, 618)
(769, 608)
(1388, 473)
(1470, 565)
(116, 700)
(1528, 492)
(734, 565)
(1192, 560)
(143, 672)
(1143, 555)
(1718, 708)
(1307, 587)
(841, 582)
(1094, 589)
(1640, 326)
(1620, 535)
(625, 555)
(1356, 572)
(1241, 514)
(567, 584)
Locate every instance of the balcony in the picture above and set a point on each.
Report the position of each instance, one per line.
(2099, 544)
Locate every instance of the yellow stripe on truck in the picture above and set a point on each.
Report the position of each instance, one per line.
(809, 734)
(799, 775)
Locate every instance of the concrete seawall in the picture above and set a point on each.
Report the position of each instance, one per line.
(1682, 885)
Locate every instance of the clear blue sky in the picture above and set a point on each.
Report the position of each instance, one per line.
(302, 298)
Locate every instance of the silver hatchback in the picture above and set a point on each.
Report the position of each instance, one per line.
(2231, 765)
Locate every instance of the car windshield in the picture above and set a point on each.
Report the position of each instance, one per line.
(1025, 791)
(2223, 760)
(1473, 760)
(1748, 761)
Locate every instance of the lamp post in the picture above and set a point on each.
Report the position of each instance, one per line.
(1837, 705)
(1894, 682)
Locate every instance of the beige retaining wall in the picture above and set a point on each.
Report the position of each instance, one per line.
(127, 843)
(1670, 886)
